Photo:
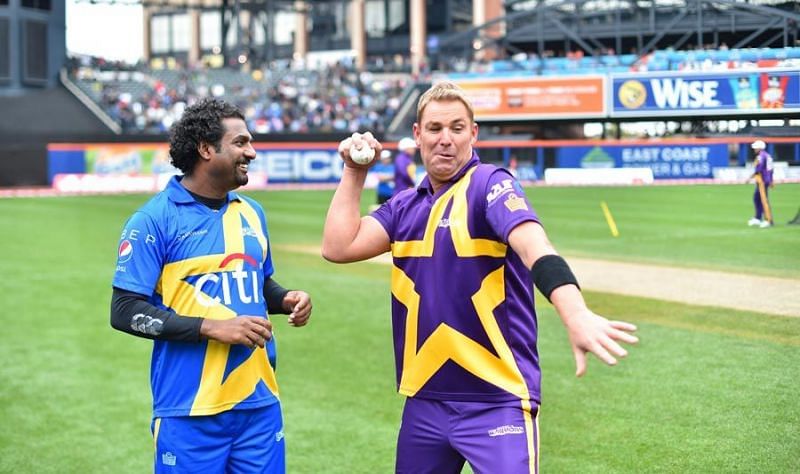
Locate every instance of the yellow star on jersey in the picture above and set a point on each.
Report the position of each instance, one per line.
(215, 395)
(446, 343)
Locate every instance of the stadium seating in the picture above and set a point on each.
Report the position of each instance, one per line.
(149, 100)
(337, 98)
(666, 60)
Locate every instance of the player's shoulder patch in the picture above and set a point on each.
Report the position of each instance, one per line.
(499, 189)
(499, 183)
(515, 203)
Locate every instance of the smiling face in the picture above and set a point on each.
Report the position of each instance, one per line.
(445, 134)
(228, 164)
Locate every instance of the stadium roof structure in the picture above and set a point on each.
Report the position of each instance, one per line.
(189, 4)
(549, 27)
(639, 26)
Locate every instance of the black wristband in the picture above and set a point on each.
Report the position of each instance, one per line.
(273, 295)
(550, 272)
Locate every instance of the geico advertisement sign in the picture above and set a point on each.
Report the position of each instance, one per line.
(280, 166)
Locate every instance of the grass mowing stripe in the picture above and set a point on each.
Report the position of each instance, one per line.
(693, 226)
(721, 321)
(683, 401)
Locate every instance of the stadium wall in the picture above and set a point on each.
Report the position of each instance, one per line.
(129, 167)
(23, 163)
(663, 95)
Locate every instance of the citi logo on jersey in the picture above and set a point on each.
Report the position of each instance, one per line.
(243, 285)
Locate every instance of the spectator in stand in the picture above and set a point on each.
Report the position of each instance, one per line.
(405, 170)
(763, 177)
(335, 98)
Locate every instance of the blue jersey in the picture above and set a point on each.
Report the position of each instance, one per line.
(385, 172)
(198, 262)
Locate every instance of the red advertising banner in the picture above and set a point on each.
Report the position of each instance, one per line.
(536, 97)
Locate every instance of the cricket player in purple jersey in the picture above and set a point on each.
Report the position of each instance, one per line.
(405, 171)
(467, 250)
(763, 177)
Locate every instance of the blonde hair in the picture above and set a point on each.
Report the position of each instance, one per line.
(444, 91)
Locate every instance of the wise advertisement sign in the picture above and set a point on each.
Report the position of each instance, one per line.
(536, 98)
(762, 91)
(142, 167)
(667, 162)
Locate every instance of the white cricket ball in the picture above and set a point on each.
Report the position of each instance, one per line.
(362, 155)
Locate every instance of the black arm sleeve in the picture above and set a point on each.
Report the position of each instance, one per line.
(133, 314)
(273, 295)
(550, 272)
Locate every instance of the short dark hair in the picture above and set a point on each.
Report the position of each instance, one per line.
(200, 123)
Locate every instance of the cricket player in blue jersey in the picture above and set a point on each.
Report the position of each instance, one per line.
(194, 273)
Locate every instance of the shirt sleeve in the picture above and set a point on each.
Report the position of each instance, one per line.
(140, 255)
(383, 215)
(506, 204)
(133, 314)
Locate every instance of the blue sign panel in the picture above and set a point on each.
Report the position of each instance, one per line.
(298, 166)
(278, 166)
(667, 162)
(761, 91)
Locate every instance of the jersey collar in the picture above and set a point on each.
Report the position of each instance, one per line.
(178, 194)
(426, 186)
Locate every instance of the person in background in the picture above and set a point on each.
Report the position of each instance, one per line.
(384, 170)
(405, 171)
(194, 273)
(763, 177)
(513, 164)
(467, 250)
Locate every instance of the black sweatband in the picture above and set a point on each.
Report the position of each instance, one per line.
(133, 314)
(550, 272)
(274, 295)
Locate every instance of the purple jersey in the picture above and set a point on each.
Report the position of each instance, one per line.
(764, 166)
(405, 172)
(463, 318)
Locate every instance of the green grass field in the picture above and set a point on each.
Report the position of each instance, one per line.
(706, 390)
